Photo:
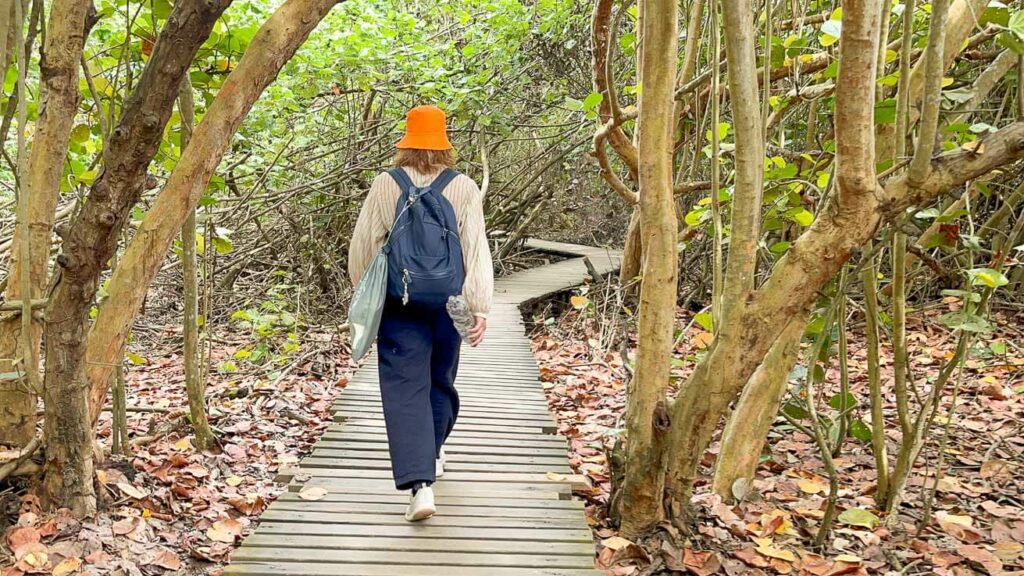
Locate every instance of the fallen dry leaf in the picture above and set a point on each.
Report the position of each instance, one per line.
(167, 559)
(766, 548)
(813, 485)
(615, 543)
(131, 491)
(225, 530)
(67, 566)
(312, 493)
(979, 555)
(20, 535)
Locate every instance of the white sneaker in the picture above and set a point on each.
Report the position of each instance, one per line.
(439, 465)
(421, 506)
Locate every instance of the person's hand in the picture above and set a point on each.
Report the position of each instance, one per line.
(476, 333)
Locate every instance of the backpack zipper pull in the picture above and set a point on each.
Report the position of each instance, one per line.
(405, 286)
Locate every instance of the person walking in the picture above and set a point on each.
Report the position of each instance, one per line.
(429, 220)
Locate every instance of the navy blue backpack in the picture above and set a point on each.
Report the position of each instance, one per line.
(423, 250)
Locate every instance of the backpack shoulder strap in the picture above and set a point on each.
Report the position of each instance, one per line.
(401, 178)
(443, 180)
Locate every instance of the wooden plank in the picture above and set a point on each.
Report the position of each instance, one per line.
(482, 502)
(379, 423)
(422, 530)
(495, 396)
(542, 422)
(448, 487)
(444, 517)
(540, 524)
(344, 429)
(453, 457)
(445, 508)
(321, 569)
(585, 549)
(416, 558)
(450, 466)
(495, 477)
(382, 444)
(455, 440)
(370, 405)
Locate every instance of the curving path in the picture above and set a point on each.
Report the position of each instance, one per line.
(504, 503)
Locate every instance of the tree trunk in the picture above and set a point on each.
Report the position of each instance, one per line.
(6, 39)
(646, 411)
(92, 241)
(194, 385)
(602, 39)
(869, 285)
(274, 44)
(757, 320)
(632, 253)
(747, 428)
(740, 40)
(70, 21)
(818, 254)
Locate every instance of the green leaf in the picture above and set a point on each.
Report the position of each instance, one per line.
(592, 101)
(885, 111)
(859, 517)
(997, 14)
(998, 347)
(221, 244)
(706, 321)
(134, 358)
(1008, 40)
(830, 32)
(823, 179)
(779, 247)
(958, 95)
(860, 431)
(723, 131)
(963, 295)
(696, 217)
(81, 134)
(801, 216)
(961, 320)
(837, 401)
(1016, 24)
(988, 277)
(795, 411)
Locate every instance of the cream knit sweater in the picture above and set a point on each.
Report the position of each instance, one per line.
(378, 214)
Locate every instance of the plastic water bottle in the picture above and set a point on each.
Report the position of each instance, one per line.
(461, 315)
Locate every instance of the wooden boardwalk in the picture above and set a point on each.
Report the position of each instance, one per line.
(504, 503)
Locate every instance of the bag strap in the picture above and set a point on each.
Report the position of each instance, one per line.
(443, 180)
(401, 178)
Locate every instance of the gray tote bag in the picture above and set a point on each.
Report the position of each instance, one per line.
(367, 304)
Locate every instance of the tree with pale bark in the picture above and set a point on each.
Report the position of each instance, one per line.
(80, 354)
(864, 190)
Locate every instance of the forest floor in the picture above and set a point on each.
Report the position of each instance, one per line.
(978, 517)
(170, 508)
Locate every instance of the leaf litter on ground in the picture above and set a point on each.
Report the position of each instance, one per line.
(978, 519)
(169, 508)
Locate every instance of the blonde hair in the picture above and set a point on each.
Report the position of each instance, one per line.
(424, 161)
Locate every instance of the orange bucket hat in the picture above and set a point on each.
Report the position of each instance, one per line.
(425, 129)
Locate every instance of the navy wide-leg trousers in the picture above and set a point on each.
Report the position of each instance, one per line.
(418, 356)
